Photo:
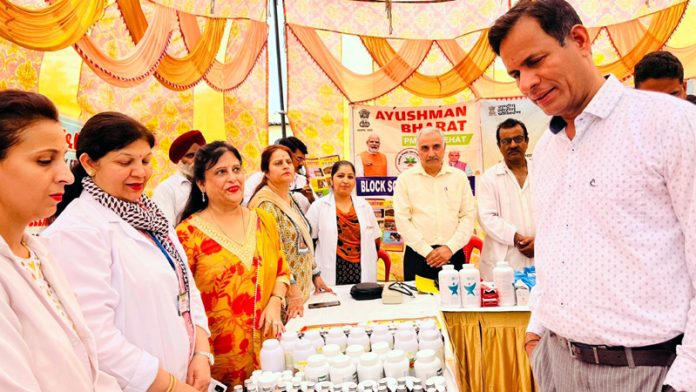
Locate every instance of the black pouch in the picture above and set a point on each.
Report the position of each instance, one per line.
(365, 291)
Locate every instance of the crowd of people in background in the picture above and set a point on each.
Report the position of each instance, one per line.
(127, 292)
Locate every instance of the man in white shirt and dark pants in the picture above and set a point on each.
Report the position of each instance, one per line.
(504, 196)
(172, 194)
(433, 210)
(614, 308)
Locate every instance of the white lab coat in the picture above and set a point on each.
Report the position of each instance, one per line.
(322, 217)
(127, 291)
(39, 351)
(503, 210)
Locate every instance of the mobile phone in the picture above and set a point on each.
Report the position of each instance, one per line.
(216, 386)
(324, 304)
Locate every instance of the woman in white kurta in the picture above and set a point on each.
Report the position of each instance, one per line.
(45, 344)
(127, 266)
(348, 257)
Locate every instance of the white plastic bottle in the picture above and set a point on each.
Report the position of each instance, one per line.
(330, 351)
(448, 280)
(272, 356)
(317, 368)
(288, 340)
(504, 279)
(358, 336)
(427, 365)
(381, 349)
(432, 340)
(303, 350)
(315, 339)
(342, 370)
(427, 325)
(470, 284)
(354, 351)
(370, 367)
(336, 336)
(396, 364)
(380, 333)
(406, 341)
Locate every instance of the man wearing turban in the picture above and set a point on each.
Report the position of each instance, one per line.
(171, 194)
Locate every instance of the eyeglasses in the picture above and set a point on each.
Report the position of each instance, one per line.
(402, 288)
(518, 139)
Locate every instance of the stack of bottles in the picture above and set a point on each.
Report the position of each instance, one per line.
(287, 381)
(399, 357)
(464, 289)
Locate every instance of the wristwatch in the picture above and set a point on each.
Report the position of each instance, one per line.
(211, 358)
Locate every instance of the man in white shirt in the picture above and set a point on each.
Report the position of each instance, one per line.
(614, 307)
(505, 203)
(433, 210)
(172, 194)
(300, 189)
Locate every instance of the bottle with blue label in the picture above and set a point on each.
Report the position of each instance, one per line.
(448, 280)
(470, 282)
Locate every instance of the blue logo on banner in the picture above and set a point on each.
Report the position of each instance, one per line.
(375, 186)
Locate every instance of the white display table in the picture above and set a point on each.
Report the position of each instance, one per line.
(352, 311)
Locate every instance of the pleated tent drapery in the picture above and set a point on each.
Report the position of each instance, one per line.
(56, 26)
(135, 67)
(178, 73)
(662, 25)
(357, 88)
(227, 76)
(466, 69)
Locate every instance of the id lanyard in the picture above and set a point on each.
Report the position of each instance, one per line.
(182, 299)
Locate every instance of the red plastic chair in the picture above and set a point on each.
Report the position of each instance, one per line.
(382, 254)
(474, 243)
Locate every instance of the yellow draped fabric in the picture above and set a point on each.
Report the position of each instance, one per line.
(490, 350)
(355, 87)
(227, 76)
(177, 73)
(631, 40)
(662, 25)
(141, 62)
(54, 27)
(467, 68)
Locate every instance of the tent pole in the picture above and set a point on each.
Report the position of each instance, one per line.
(280, 72)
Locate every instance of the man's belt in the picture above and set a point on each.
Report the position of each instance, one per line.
(661, 354)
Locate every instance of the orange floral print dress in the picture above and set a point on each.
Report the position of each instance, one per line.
(235, 279)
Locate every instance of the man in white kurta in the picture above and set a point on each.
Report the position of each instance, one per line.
(172, 194)
(504, 195)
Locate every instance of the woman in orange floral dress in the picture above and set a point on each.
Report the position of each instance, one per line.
(237, 262)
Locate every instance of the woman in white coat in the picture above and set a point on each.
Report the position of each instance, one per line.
(127, 266)
(45, 342)
(346, 230)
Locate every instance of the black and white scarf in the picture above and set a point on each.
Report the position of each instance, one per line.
(145, 215)
(142, 215)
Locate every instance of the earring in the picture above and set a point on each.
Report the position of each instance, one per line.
(91, 173)
(203, 194)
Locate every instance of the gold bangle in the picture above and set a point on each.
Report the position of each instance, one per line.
(530, 341)
(282, 300)
(172, 383)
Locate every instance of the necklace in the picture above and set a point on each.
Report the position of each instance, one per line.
(224, 232)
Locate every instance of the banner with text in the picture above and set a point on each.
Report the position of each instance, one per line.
(395, 128)
(494, 112)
